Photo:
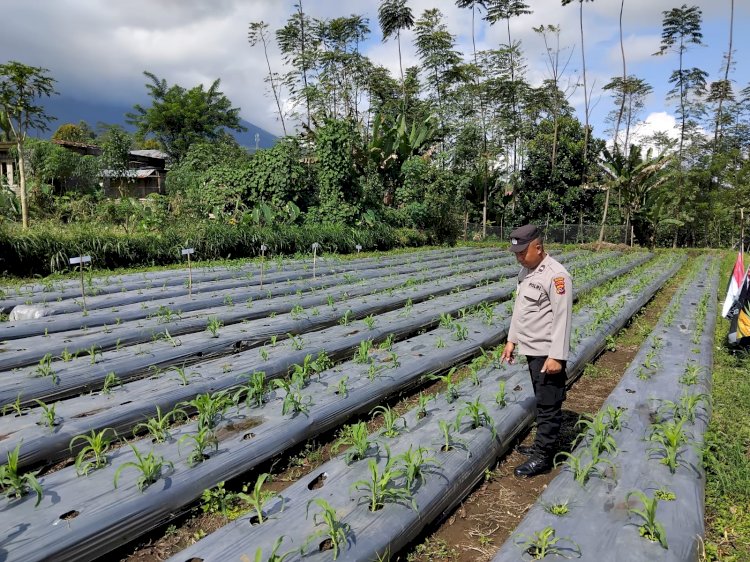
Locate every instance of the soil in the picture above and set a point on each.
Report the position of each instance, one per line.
(475, 530)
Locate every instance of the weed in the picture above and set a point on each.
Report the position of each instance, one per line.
(219, 500)
(297, 342)
(15, 485)
(93, 454)
(665, 495)
(150, 467)
(651, 529)
(335, 531)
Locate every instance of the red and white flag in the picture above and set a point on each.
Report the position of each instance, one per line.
(735, 285)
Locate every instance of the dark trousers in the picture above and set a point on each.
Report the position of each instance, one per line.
(550, 394)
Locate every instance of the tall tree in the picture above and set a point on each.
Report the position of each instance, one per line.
(178, 117)
(505, 10)
(299, 48)
(258, 33)
(721, 90)
(21, 86)
(436, 49)
(475, 6)
(395, 15)
(586, 108)
(680, 28)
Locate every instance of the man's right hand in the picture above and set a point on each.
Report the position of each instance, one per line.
(508, 353)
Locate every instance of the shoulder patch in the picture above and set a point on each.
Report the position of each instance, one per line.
(559, 285)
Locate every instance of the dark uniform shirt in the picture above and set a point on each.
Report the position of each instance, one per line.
(542, 314)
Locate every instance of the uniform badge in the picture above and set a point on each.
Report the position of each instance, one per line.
(559, 285)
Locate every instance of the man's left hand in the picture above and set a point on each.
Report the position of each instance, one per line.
(551, 366)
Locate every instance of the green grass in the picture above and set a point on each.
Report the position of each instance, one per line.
(727, 452)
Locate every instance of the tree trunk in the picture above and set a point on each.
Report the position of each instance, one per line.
(585, 100)
(22, 185)
(624, 80)
(401, 66)
(273, 85)
(604, 220)
(717, 131)
(304, 61)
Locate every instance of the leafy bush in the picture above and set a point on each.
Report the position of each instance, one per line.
(46, 247)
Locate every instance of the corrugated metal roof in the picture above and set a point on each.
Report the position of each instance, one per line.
(131, 174)
(150, 154)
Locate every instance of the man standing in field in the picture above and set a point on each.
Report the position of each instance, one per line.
(540, 329)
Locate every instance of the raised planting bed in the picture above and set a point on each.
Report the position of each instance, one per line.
(634, 487)
(463, 434)
(90, 504)
(124, 406)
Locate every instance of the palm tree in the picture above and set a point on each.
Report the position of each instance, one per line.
(395, 15)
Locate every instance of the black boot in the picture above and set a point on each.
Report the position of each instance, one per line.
(537, 464)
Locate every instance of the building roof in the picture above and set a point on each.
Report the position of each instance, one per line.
(150, 154)
(140, 173)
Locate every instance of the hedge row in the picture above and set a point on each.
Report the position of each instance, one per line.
(45, 248)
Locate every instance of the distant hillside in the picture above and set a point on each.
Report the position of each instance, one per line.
(71, 110)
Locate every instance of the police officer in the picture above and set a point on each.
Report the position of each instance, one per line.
(540, 329)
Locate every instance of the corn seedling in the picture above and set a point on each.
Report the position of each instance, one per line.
(422, 401)
(15, 485)
(66, 355)
(362, 356)
(257, 498)
(347, 317)
(274, 338)
(296, 341)
(357, 438)
(380, 487)
(336, 533)
(460, 332)
(583, 470)
(413, 462)
(387, 343)
(390, 420)
(370, 322)
(150, 467)
(670, 437)
(48, 417)
(614, 417)
(596, 431)
(158, 426)
(544, 543)
(500, 397)
(372, 371)
(449, 442)
(341, 388)
(651, 529)
(690, 376)
(110, 381)
(210, 407)
(15, 407)
(296, 312)
(275, 556)
(558, 508)
(93, 454)
(254, 391)
(451, 389)
(446, 321)
(44, 369)
(201, 441)
(440, 343)
(295, 402)
(213, 325)
(393, 359)
(264, 353)
(477, 414)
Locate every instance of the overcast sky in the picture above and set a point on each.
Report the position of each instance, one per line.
(98, 49)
